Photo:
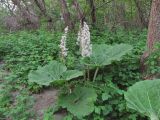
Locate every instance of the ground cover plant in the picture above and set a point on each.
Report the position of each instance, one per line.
(108, 101)
(85, 92)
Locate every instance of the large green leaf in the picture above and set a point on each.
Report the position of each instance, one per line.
(52, 72)
(144, 97)
(80, 102)
(103, 54)
(70, 74)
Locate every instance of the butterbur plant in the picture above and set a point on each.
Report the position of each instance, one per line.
(83, 40)
(103, 55)
(63, 52)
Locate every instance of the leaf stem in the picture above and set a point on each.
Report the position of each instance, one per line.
(63, 59)
(95, 74)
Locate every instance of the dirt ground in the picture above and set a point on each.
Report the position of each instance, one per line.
(43, 100)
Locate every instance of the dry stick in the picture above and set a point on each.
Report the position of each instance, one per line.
(95, 74)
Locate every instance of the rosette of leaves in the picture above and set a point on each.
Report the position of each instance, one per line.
(52, 72)
(144, 97)
(80, 102)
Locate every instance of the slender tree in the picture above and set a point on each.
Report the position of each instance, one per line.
(42, 7)
(140, 9)
(81, 15)
(93, 11)
(66, 14)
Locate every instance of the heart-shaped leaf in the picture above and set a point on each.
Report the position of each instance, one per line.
(103, 54)
(52, 72)
(144, 97)
(80, 102)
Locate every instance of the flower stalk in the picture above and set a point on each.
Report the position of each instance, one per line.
(64, 50)
(83, 41)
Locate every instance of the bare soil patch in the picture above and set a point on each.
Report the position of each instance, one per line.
(44, 100)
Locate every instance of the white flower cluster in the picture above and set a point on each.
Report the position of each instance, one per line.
(84, 40)
(63, 43)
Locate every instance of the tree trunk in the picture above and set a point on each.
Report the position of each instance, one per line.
(153, 31)
(81, 16)
(154, 25)
(66, 14)
(93, 11)
(32, 20)
(41, 5)
(141, 14)
(120, 14)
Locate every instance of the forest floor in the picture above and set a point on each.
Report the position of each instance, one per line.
(43, 100)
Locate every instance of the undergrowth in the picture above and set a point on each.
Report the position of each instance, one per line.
(26, 50)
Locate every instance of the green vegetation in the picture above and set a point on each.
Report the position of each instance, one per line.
(79, 59)
(25, 51)
(144, 98)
